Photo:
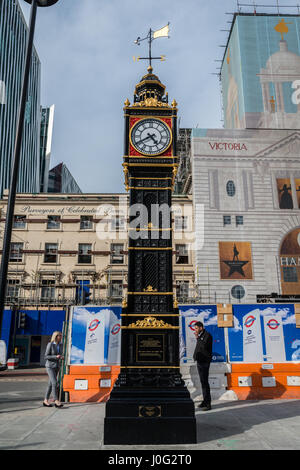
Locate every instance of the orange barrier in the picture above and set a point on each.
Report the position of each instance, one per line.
(90, 383)
(264, 381)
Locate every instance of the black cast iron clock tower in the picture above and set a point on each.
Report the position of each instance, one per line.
(150, 403)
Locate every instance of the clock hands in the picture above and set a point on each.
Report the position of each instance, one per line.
(152, 137)
(149, 136)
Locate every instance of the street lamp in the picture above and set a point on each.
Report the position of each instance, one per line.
(17, 152)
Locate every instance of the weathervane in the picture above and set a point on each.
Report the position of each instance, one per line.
(282, 28)
(160, 33)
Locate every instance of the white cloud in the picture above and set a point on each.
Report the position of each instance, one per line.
(196, 312)
(296, 355)
(289, 320)
(236, 325)
(81, 315)
(295, 344)
(76, 355)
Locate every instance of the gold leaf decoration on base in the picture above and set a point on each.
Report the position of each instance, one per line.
(150, 289)
(150, 322)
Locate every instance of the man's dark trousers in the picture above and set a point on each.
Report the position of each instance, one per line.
(203, 370)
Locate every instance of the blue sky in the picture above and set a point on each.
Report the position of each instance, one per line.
(86, 49)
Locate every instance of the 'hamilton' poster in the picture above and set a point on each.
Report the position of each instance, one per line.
(235, 260)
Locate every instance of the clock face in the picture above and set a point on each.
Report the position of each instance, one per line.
(151, 136)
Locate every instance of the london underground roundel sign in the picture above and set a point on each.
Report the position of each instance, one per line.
(94, 324)
(115, 329)
(249, 321)
(273, 324)
(192, 325)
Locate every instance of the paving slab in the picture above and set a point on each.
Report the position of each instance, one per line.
(236, 425)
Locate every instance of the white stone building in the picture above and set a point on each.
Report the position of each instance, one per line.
(247, 212)
(72, 248)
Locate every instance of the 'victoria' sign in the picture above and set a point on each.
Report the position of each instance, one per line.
(236, 146)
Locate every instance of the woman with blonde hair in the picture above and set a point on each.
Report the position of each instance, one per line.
(53, 356)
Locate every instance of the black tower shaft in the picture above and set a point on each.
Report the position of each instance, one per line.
(149, 403)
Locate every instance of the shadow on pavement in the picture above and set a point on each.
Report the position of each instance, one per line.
(234, 418)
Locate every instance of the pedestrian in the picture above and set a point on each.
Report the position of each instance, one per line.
(53, 356)
(203, 356)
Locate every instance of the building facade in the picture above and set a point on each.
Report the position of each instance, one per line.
(60, 180)
(47, 117)
(260, 72)
(244, 179)
(13, 37)
(247, 213)
(72, 249)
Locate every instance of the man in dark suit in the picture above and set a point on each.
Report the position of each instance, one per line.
(203, 356)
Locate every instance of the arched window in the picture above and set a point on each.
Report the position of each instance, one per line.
(230, 188)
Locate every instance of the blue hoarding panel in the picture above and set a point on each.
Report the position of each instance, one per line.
(207, 314)
(53, 321)
(7, 326)
(264, 333)
(42, 322)
(96, 335)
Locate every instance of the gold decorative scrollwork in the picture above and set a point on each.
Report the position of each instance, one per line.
(150, 322)
(150, 289)
(151, 103)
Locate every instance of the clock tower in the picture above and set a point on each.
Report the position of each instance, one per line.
(150, 403)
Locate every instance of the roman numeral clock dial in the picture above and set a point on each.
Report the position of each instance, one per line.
(150, 136)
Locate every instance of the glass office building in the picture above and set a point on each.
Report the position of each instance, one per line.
(61, 181)
(47, 116)
(13, 37)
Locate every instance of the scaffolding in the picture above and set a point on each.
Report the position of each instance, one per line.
(254, 9)
(65, 295)
(257, 6)
(184, 174)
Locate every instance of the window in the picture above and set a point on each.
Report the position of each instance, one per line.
(182, 256)
(238, 292)
(182, 289)
(230, 188)
(116, 257)
(118, 223)
(290, 274)
(181, 222)
(226, 220)
(116, 288)
(83, 291)
(84, 253)
(19, 221)
(16, 253)
(48, 289)
(239, 220)
(53, 222)
(86, 222)
(12, 288)
(285, 197)
(50, 253)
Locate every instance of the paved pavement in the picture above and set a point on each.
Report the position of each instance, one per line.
(231, 425)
